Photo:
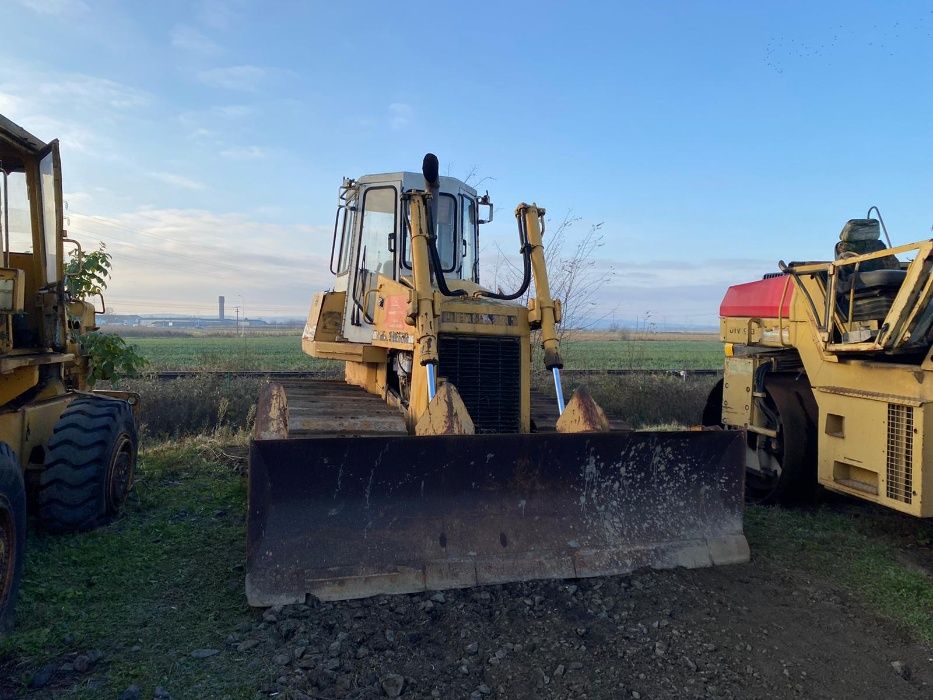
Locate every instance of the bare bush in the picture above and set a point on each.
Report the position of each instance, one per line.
(577, 278)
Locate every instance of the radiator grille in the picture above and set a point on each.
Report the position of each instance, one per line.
(900, 452)
(487, 372)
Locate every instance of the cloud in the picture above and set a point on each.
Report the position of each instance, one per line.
(189, 39)
(245, 77)
(177, 180)
(244, 152)
(56, 8)
(92, 92)
(234, 111)
(400, 115)
(218, 14)
(78, 109)
(218, 126)
(180, 260)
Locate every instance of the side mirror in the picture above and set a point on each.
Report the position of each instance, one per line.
(392, 242)
(484, 201)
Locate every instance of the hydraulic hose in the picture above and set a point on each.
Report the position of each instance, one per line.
(526, 263)
(437, 269)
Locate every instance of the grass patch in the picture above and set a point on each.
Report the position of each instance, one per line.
(164, 579)
(642, 354)
(283, 352)
(854, 553)
(226, 353)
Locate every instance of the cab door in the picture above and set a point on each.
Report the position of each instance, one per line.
(48, 247)
(372, 256)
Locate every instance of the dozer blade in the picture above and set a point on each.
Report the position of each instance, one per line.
(341, 518)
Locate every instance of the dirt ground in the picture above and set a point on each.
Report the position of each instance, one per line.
(747, 631)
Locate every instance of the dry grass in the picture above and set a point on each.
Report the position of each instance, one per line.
(643, 400)
(195, 405)
(171, 409)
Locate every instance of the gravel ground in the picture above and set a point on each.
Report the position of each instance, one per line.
(746, 631)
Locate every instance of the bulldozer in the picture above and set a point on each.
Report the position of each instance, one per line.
(429, 466)
(67, 454)
(825, 370)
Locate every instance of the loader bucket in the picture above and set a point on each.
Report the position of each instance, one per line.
(341, 518)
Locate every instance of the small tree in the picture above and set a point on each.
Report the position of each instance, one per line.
(109, 357)
(576, 277)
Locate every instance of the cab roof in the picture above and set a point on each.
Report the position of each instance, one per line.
(16, 145)
(415, 181)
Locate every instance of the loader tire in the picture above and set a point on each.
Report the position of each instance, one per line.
(12, 533)
(89, 465)
(712, 411)
(795, 449)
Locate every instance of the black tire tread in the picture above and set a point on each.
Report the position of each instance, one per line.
(13, 488)
(71, 486)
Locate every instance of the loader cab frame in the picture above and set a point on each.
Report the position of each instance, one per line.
(371, 240)
(31, 242)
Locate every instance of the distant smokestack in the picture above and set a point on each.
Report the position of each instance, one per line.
(220, 308)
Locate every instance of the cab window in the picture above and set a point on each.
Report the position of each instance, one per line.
(470, 270)
(15, 209)
(49, 216)
(447, 248)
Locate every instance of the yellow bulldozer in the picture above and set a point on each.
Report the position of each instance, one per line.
(429, 467)
(825, 369)
(68, 451)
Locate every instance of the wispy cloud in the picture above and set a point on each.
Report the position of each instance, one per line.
(92, 92)
(190, 39)
(179, 260)
(218, 14)
(56, 8)
(245, 77)
(216, 124)
(77, 108)
(244, 152)
(177, 180)
(400, 115)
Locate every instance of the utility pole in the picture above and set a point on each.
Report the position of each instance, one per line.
(237, 309)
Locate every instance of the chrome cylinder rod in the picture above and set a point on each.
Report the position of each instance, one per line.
(432, 381)
(558, 390)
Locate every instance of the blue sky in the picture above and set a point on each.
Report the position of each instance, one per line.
(204, 140)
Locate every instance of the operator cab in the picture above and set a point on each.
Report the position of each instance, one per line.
(372, 239)
(31, 236)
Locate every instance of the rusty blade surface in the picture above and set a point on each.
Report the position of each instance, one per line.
(343, 518)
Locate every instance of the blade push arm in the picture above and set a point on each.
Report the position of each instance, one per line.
(543, 310)
(423, 315)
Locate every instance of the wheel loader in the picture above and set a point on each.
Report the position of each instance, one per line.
(430, 466)
(67, 452)
(825, 369)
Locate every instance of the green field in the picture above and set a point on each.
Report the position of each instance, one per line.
(267, 352)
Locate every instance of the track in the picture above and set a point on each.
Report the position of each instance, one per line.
(330, 374)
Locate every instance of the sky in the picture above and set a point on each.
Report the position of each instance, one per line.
(203, 141)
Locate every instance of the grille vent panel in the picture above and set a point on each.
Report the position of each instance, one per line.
(487, 373)
(900, 452)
